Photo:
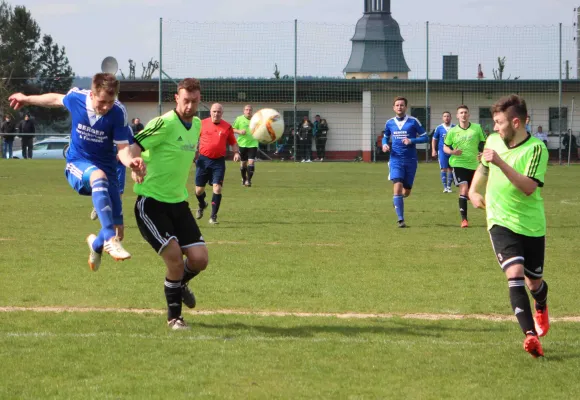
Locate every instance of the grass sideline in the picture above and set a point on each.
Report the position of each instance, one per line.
(312, 238)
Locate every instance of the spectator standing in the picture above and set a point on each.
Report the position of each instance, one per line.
(305, 136)
(321, 139)
(26, 129)
(7, 129)
(543, 136)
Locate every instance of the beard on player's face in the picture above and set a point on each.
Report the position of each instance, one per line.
(508, 133)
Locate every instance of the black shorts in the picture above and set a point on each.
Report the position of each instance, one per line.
(160, 222)
(462, 175)
(212, 170)
(512, 248)
(248, 153)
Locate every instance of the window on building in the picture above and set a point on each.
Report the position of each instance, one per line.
(421, 114)
(555, 119)
(486, 119)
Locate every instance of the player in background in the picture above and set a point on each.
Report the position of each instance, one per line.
(511, 173)
(464, 142)
(99, 122)
(437, 144)
(404, 132)
(168, 144)
(247, 144)
(214, 138)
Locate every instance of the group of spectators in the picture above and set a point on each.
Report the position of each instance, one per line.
(308, 133)
(9, 130)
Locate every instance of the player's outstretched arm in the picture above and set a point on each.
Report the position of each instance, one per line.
(52, 100)
(477, 188)
(126, 157)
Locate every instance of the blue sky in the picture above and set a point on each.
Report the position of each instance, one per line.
(252, 35)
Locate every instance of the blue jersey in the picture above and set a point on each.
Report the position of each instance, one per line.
(93, 137)
(398, 129)
(439, 135)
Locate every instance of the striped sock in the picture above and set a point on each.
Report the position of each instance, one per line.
(521, 305)
(173, 297)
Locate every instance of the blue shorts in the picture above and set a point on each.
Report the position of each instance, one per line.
(444, 160)
(210, 170)
(403, 172)
(78, 174)
(121, 174)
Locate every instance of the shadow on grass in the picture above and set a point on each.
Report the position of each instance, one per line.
(394, 327)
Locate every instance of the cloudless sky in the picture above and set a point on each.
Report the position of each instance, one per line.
(91, 30)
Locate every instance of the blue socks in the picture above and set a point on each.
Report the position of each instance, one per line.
(399, 207)
(444, 179)
(449, 179)
(104, 208)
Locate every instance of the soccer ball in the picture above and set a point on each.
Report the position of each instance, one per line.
(267, 125)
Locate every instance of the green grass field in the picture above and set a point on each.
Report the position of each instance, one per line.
(305, 240)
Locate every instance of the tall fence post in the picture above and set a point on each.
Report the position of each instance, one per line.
(160, 105)
(295, 85)
(560, 98)
(427, 116)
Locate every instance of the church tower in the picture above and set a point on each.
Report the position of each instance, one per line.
(377, 45)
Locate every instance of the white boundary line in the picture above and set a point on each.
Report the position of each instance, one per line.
(418, 316)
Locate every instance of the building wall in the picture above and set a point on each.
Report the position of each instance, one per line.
(345, 120)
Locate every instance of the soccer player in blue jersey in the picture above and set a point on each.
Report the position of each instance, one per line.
(99, 122)
(437, 150)
(404, 132)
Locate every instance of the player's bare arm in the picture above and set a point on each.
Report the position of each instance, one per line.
(449, 150)
(125, 155)
(525, 184)
(477, 187)
(433, 148)
(236, 150)
(51, 100)
(240, 131)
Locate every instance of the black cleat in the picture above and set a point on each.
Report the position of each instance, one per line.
(187, 296)
(199, 212)
(401, 224)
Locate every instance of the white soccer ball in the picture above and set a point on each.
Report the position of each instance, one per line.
(267, 125)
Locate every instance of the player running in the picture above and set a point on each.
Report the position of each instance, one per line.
(248, 145)
(511, 174)
(437, 144)
(99, 122)
(404, 132)
(464, 142)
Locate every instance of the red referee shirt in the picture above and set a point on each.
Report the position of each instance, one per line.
(214, 137)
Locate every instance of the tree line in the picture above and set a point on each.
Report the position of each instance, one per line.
(32, 63)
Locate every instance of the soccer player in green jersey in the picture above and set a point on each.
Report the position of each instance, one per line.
(464, 143)
(512, 171)
(168, 144)
(247, 144)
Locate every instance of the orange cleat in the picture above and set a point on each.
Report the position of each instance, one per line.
(464, 224)
(533, 346)
(542, 322)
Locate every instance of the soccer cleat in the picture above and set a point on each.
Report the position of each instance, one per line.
(542, 322)
(187, 296)
(248, 183)
(401, 224)
(464, 224)
(177, 324)
(444, 190)
(94, 257)
(94, 215)
(199, 212)
(449, 189)
(213, 220)
(115, 249)
(533, 346)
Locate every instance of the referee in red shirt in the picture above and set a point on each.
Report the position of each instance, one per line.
(215, 135)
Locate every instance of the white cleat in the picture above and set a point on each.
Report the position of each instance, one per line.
(445, 190)
(115, 249)
(94, 215)
(94, 257)
(177, 324)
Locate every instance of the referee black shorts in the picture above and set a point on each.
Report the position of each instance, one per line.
(161, 222)
(511, 248)
(462, 175)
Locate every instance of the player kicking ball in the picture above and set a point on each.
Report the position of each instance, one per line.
(99, 122)
(511, 174)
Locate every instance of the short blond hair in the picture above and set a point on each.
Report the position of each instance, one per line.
(105, 82)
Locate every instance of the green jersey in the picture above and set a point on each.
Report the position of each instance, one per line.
(168, 151)
(466, 140)
(508, 206)
(247, 140)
